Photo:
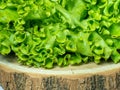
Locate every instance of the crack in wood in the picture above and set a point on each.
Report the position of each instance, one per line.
(53, 83)
(118, 81)
(20, 81)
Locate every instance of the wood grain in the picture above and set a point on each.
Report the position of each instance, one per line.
(14, 76)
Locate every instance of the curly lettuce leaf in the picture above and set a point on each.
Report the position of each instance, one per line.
(45, 33)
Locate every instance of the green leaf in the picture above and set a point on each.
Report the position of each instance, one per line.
(71, 46)
(114, 30)
(44, 33)
(75, 59)
(7, 15)
(115, 56)
(99, 42)
(20, 37)
(48, 63)
(83, 45)
(4, 49)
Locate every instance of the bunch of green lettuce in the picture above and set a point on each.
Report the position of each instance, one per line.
(46, 33)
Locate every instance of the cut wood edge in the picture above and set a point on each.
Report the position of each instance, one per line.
(90, 68)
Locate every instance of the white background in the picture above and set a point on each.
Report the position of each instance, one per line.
(1, 88)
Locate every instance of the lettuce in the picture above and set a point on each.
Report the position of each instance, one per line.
(47, 33)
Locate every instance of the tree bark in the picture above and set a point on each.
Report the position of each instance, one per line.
(90, 76)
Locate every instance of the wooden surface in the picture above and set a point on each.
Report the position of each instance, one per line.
(14, 76)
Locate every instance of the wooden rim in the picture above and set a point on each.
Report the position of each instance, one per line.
(69, 70)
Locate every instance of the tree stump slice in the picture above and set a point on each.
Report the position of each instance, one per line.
(14, 76)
